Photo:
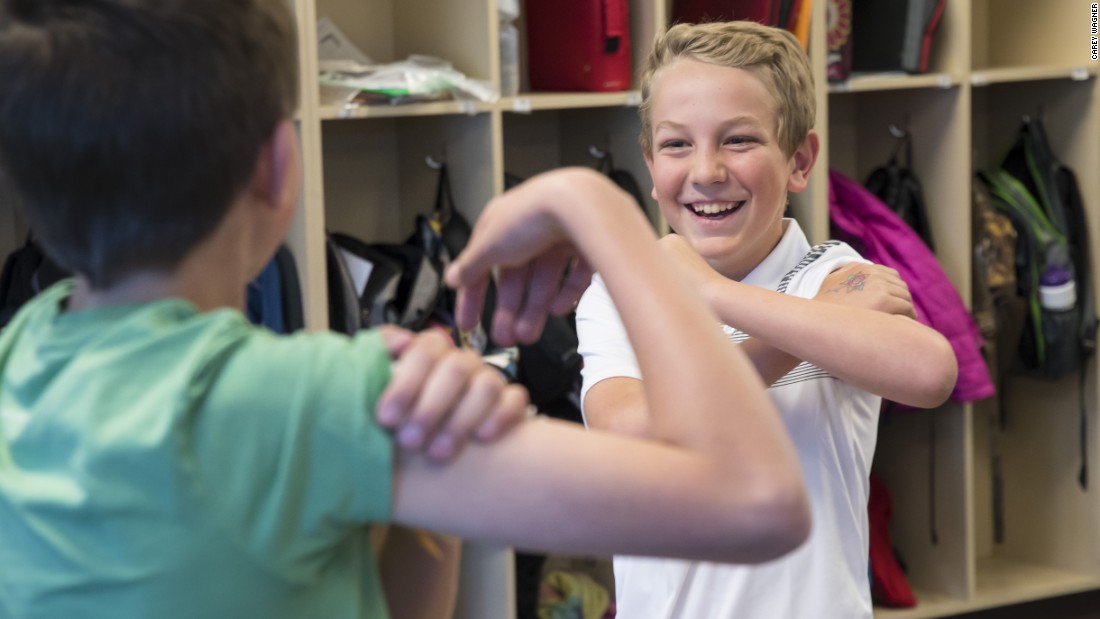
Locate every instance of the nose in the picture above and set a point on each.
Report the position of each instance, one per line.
(707, 167)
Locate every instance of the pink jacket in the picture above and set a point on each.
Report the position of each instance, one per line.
(868, 225)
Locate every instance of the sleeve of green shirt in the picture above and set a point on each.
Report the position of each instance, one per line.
(290, 451)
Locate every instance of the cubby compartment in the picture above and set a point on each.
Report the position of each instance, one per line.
(1066, 107)
(862, 136)
(646, 17)
(924, 458)
(1035, 527)
(546, 139)
(1040, 539)
(379, 174)
(461, 32)
(947, 57)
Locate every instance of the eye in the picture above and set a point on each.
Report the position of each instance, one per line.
(738, 140)
(673, 144)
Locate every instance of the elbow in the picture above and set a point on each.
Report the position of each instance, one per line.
(936, 381)
(780, 520)
(787, 520)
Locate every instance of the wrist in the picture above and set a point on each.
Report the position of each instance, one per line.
(599, 216)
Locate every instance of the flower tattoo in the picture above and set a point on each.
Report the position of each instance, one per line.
(854, 282)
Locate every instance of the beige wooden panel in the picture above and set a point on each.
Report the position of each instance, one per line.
(461, 31)
(1049, 519)
(1029, 33)
(486, 583)
(306, 236)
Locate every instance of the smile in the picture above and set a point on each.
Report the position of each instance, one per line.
(713, 210)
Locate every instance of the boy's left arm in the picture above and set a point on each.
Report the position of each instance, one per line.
(860, 328)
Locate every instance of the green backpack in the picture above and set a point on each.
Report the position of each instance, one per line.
(1053, 277)
(1040, 196)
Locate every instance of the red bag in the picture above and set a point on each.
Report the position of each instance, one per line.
(578, 45)
(888, 585)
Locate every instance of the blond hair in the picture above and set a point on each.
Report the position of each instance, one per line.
(773, 55)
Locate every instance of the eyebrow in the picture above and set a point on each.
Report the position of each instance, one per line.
(729, 123)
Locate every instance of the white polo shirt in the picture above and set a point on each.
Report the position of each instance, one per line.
(833, 426)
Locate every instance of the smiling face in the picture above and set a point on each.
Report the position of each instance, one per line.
(719, 173)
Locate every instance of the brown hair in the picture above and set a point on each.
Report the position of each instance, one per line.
(128, 127)
(773, 55)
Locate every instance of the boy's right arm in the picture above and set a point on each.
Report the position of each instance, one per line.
(724, 485)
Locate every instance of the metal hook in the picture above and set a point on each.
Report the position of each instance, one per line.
(903, 141)
(597, 152)
(1038, 115)
(902, 132)
(437, 164)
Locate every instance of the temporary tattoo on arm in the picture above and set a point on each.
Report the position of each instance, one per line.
(854, 282)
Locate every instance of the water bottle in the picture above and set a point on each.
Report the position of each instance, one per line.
(508, 12)
(1056, 289)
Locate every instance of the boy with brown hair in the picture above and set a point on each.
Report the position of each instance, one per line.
(162, 457)
(727, 132)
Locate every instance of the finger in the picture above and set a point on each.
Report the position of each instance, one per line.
(395, 339)
(478, 403)
(511, 409)
(473, 263)
(576, 283)
(544, 283)
(469, 302)
(444, 386)
(511, 290)
(408, 375)
(908, 309)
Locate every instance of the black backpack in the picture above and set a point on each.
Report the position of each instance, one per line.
(1041, 197)
(899, 188)
(371, 284)
(1053, 277)
(27, 271)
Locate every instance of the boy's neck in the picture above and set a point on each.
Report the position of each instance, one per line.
(205, 294)
(213, 275)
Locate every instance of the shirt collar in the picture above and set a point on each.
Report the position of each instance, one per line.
(791, 248)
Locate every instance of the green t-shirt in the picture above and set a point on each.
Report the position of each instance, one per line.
(159, 462)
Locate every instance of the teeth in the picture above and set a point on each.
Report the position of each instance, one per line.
(713, 209)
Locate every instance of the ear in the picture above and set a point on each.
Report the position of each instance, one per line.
(276, 179)
(803, 162)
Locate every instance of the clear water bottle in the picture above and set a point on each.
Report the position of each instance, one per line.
(1056, 289)
(508, 12)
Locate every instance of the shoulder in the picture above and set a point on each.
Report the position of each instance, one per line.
(804, 277)
(596, 301)
(320, 366)
(299, 410)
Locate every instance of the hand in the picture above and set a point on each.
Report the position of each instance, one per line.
(440, 397)
(870, 286)
(699, 274)
(524, 233)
